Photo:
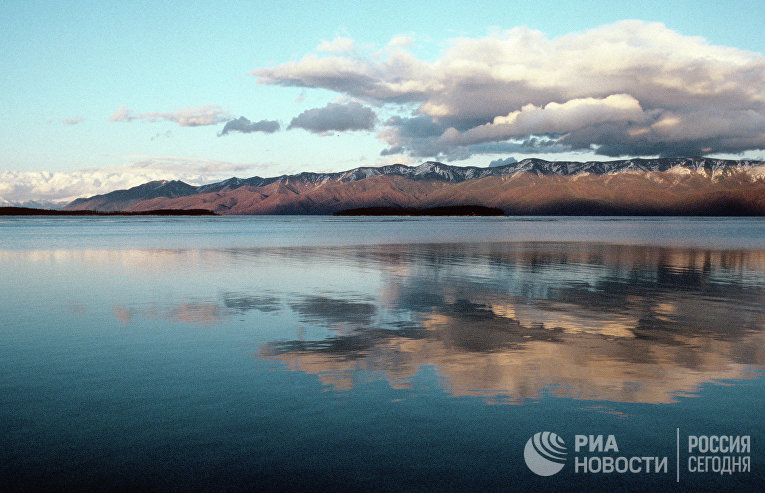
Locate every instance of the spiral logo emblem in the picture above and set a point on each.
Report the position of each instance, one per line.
(545, 453)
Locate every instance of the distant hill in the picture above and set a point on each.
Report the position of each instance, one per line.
(666, 186)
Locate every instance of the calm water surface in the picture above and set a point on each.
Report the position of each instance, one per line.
(374, 354)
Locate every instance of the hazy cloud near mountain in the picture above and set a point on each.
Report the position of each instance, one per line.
(187, 117)
(335, 117)
(244, 125)
(65, 186)
(631, 87)
(502, 162)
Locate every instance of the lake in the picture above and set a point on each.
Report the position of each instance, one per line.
(293, 353)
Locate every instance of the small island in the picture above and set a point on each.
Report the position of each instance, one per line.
(28, 211)
(452, 210)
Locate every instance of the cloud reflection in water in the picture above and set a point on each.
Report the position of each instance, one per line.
(512, 321)
(508, 321)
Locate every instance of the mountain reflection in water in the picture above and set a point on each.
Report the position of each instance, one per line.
(513, 321)
(506, 321)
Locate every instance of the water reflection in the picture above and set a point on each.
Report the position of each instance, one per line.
(205, 314)
(329, 311)
(244, 303)
(510, 322)
(507, 321)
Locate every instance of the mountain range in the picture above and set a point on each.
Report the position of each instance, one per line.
(662, 186)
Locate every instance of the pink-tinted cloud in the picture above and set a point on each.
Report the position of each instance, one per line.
(186, 117)
(632, 87)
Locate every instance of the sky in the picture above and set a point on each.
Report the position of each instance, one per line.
(97, 96)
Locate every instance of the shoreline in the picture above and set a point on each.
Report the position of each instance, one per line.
(29, 211)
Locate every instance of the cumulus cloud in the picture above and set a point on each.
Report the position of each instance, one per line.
(629, 88)
(400, 41)
(422, 137)
(337, 45)
(354, 76)
(335, 117)
(553, 118)
(185, 117)
(245, 126)
(17, 187)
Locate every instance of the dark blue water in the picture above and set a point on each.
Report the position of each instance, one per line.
(374, 354)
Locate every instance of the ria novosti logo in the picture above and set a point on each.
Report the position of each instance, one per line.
(545, 453)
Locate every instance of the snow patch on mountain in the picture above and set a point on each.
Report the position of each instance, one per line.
(713, 169)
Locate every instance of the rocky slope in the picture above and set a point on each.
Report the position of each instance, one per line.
(532, 186)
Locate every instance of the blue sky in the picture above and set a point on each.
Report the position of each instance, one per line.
(102, 95)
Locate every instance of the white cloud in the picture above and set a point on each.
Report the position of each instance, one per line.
(185, 117)
(122, 114)
(65, 186)
(553, 118)
(607, 89)
(400, 41)
(337, 45)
